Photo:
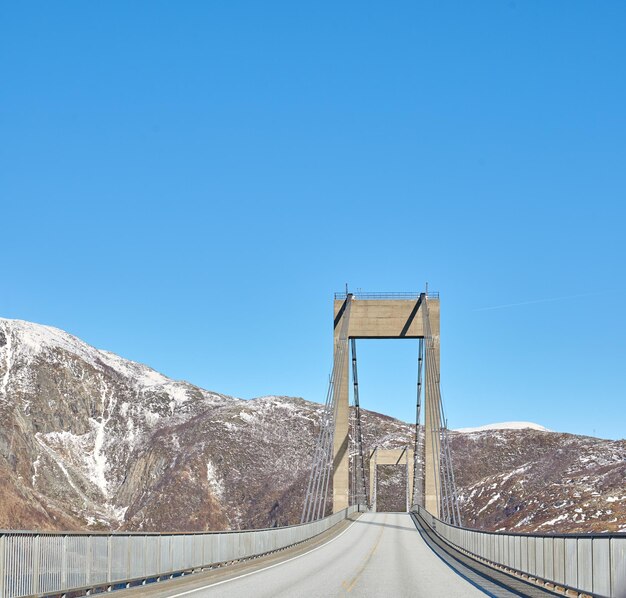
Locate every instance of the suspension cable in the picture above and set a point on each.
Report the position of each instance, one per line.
(449, 501)
(429, 394)
(454, 497)
(343, 349)
(317, 489)
(431, 367)
(417, 470)
(362, 494)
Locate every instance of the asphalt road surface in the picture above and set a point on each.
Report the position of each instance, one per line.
(379, 554)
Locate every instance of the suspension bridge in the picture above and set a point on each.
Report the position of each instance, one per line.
(339, 451)
(342, 545)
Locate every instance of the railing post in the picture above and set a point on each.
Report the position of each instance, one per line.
(88, 558)
(110, 559)
(129, 554)
(618, 566)
(3, 543)
(158, 556)
(36, 546)
(171, 552)
(145, 556)
(64, 564)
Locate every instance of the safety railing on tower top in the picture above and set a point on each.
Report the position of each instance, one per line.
(406, 296)
(36, 564)
(588, 564)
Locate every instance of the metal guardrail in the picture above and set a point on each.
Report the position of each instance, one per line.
(33, 563)
(407, 296)
(591, 564)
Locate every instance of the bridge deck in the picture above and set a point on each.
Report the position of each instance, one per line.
(379, 554)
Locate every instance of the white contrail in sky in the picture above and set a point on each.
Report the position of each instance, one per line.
(535, 301)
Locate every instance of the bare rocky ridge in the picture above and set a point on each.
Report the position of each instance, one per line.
(529, 480)
(89, 440)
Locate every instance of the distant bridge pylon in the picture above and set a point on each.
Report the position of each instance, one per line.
(401, 456)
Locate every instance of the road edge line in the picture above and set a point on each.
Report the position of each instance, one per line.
(293, 558)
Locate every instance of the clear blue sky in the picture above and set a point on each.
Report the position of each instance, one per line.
(187, 183)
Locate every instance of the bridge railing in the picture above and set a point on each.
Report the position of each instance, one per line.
(33, 563)
(586, 563)
(406, 296)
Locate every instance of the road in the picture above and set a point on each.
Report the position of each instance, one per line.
(379, 554)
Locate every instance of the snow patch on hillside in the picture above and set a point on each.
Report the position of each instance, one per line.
(216, 484)
(505, 426)
(140, 373)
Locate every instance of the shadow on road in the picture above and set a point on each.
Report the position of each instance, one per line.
(409, 527)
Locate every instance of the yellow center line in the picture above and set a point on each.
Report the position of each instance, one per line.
(350, 586)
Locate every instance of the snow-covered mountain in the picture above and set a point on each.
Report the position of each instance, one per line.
(91, 440)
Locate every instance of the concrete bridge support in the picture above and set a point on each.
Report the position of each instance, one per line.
(402, 457)
(374, 316)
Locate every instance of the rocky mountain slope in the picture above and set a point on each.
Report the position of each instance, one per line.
(529, 480)
(91, 440)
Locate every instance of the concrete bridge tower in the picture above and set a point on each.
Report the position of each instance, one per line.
(398, 316)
